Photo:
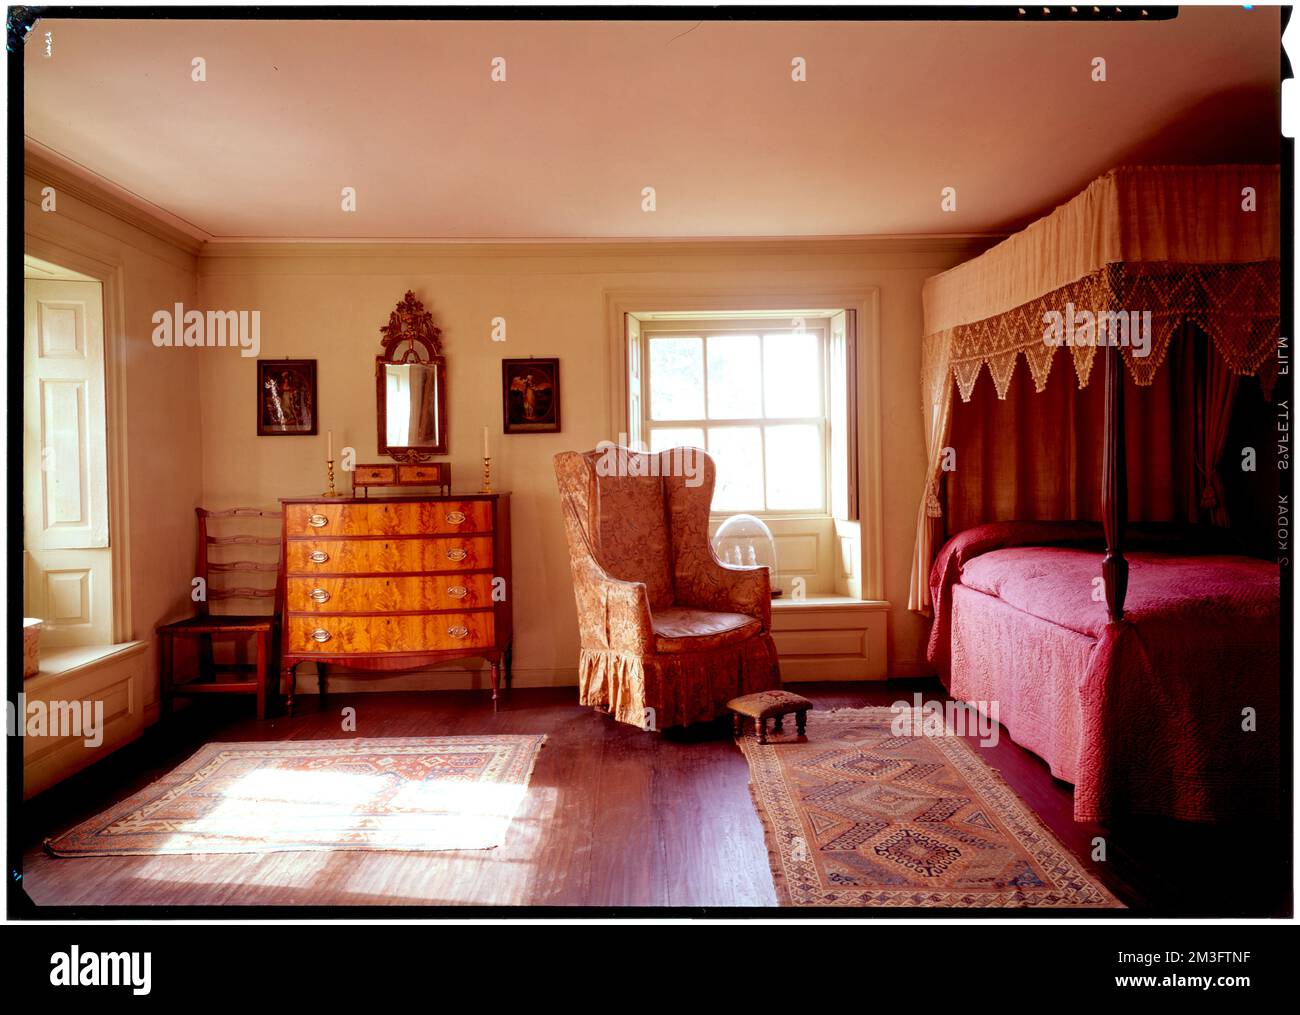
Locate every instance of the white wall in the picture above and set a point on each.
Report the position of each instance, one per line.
(328, 302)
(191, 435)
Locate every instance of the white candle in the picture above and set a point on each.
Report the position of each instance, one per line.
(329, 443)
(486, 453)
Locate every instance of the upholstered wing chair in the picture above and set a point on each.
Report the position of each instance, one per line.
(664, 624)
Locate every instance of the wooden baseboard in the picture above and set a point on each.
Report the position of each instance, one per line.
(448, 679)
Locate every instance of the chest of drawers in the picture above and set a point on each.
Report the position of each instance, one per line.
(395, 583)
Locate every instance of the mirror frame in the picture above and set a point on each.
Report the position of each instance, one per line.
(410, 336)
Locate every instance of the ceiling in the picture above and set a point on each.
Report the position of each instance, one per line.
(592, 112)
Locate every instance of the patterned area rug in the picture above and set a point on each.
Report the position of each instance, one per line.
(410, 794)
(856, 816)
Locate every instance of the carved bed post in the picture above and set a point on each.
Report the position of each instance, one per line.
(1114, 487)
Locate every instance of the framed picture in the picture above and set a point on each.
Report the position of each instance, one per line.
(286, 397)
(530, 395)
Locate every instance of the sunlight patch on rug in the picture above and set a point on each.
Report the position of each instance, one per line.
(410, 794)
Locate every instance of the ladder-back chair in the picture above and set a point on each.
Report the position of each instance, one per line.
(215, 677)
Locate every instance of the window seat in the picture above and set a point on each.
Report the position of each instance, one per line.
(64, 661)
(830, 637)
(109, 676)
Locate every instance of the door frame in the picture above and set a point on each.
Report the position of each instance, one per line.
(110, 275)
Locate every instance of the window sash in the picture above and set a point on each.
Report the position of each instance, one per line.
(703, 329)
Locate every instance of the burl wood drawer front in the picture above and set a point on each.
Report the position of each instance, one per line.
(395, 518)
(424, 474)
(366, 635)
(387, 556)
(388, 595)
(376, 475)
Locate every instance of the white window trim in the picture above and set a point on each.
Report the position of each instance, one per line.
(110, 275)
(865, 301)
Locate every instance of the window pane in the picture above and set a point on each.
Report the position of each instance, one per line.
(792, 374)
(738, 453)
(794, 468)
(662, 438)
(676, 378)
(735, 377)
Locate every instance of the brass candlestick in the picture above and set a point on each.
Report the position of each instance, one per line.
(487, 477)
(331, 492)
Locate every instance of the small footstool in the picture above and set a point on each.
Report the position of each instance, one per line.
(767, 705)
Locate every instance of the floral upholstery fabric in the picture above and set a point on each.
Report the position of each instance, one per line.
(678, 630)
(638, 543)
(631, 533)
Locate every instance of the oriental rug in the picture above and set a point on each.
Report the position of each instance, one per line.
(858, 817)
(409, 794)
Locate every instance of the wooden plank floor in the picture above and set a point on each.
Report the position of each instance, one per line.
(614, 818)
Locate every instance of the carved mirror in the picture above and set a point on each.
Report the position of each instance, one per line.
(411, 385)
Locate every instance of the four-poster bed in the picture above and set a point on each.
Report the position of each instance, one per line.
(1133, 663)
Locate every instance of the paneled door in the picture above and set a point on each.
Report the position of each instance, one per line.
(68, 573)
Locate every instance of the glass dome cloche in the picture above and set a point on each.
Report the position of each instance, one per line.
(745, 541)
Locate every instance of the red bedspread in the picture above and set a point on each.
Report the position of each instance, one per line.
(1145, 717)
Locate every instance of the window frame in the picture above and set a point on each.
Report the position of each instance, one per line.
(703, 327)
(860, 539)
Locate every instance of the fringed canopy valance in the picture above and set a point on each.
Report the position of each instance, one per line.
(1142, 252)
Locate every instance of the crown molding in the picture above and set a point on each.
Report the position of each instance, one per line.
(946, 246)
(100, 194)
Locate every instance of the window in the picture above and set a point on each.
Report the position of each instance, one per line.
(783, 398)
(756, 393)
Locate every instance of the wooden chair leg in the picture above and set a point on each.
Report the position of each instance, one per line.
(207, 668)
(291, 678)
(273, 664)
(762, 730)
(801, 721)
(496, 676)
(165, 655)
(261, 675)
(778, 724)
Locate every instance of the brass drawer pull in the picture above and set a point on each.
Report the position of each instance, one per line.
(320, 595)
(318, 556)
(455, 517)
(317, 521)
(457, 553)
(320, 634)
(458, 592)
(458, 632)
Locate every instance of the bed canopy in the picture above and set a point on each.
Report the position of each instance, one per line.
(1121, 269)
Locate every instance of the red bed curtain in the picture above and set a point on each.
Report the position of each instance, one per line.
(1176, 430)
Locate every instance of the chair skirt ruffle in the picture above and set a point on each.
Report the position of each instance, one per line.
(680, 688)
